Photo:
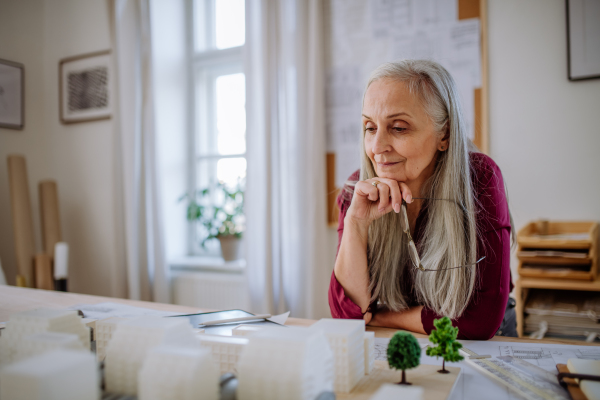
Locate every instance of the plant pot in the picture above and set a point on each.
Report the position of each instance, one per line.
(230, 247)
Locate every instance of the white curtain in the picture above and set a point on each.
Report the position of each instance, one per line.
(286, 188)
(147, 273)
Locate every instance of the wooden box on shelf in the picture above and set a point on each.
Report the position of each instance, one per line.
(555, 256)
(558, 250)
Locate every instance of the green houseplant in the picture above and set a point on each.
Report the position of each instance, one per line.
(444, 335)
(220, 215)
(403, 353)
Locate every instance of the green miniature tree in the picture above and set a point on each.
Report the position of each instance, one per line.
(403, 353)
(444, 335)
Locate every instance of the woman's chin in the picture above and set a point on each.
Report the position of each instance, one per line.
(399, 177)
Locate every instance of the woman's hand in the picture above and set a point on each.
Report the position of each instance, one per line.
(371, 201)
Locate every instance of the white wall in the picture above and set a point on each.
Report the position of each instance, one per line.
(79, 156)
(544, 129)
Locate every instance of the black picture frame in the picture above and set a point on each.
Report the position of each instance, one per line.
(85, 88)
(12, 95)
(581, 64)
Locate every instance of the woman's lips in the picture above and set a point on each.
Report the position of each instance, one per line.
(387, 164)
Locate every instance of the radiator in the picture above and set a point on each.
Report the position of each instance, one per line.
(209, 289)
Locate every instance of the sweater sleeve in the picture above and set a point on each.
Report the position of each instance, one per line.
(340, 305)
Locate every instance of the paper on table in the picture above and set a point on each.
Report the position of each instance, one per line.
(279, 319)
(472, 383)
(108, 310)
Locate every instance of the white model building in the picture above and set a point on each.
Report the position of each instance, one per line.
(130, 343)
(291, 364)
(394, 391)
(369, 352)
(39, 343)
(245, 330)
(103, 331)
(178, 373)
(225, 350)
(26, 323)
(347, 340)
(55, 375)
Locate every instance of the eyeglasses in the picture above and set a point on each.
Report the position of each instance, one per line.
(412, 248)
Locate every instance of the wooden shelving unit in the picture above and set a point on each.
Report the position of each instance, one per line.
(556, 272)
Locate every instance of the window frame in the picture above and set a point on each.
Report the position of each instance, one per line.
(206, 65)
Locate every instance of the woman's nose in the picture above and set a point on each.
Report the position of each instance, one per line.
(380, 142)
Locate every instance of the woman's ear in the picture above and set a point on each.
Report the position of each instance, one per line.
(443, 143)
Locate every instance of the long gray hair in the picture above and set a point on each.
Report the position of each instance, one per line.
(449, 236)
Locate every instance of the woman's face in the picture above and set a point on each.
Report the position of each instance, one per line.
(399, 137)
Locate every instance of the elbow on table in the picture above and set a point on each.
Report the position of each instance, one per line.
(483, 331)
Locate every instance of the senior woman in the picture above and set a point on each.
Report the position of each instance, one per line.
(421, 213)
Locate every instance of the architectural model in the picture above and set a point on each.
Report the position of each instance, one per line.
(225, 350)
(130, 343)
(347, 340)
(55, 375)
(369, 352)
(390, 391)
(178, 373)
(39, 343)
(245, 330)
(103, 332)
(293, 364)
(26, 323)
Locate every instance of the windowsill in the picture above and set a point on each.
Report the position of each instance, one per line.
(209, 264)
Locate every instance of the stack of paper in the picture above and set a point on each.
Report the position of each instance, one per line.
(567, 313)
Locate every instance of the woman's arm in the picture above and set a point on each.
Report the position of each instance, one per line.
(351, 266)
(349, 295)
(409, 320)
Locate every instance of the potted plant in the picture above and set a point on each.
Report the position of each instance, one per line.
(220, 213)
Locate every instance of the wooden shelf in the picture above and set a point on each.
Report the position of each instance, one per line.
(554, 236)
(534, 283)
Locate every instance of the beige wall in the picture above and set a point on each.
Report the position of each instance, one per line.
(80, 156)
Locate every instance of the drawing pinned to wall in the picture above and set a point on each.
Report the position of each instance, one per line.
(85, 88)
(12, 95)
(363, 34)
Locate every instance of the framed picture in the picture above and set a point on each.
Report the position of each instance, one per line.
(85, 88)
(12, 95)
(583, 39)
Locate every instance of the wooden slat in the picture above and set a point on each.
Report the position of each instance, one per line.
(332, 192)
(468, 9)
(478, 140)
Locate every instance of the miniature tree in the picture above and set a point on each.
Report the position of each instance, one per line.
(444, 335)
(403, 353)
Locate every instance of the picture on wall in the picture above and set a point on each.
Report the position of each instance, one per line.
(12, 95)
(85, 88)
(583, 39)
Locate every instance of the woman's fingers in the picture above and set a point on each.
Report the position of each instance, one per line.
(366, 189)
(388, 191)
(395, 193)
(384, 196)
(406, 193)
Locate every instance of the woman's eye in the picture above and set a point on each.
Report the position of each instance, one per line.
(398, 129)
(370, 129)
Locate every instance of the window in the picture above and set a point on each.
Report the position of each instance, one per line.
(216, 36)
